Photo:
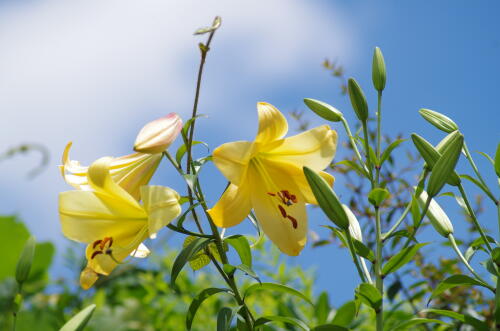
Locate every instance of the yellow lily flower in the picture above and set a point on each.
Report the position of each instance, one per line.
(111, 221)
(129, 171)
(266, 175)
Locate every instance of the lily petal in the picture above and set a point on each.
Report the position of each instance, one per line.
(314, 148)
(285, 224)
(233, 206)
(232, 159)
(162, 205)
(272, 123)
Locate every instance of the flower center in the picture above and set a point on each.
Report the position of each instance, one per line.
(287, 199)
(102, 246)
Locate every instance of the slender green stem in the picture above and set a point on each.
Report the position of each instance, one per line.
(379, 282)
(354, 256)
(476, 171)
(367, 154)
(464, 261)
(353, 144)
(379, 137)
(365, 270)
(473, 217)
(406, 211)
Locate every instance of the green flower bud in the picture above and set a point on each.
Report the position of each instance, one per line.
(324, 110)
(445, 165)
(436, 215)
(358, 100)
(80, 320)
(327, 199)
(440, 121)
(354, 228)
(378, 70)
(25, 260)
(431, 154)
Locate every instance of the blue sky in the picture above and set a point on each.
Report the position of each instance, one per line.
(94, 72)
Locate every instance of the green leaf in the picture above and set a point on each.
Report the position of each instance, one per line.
(327, 199)
(401, 258)
(454, 281)
(182, 150)
(378, 70)
(284, 319)
(440, 121)
(324, 110)
(358, 99)
(377, 196)
(80, 320)
(198, 300)
(497, 161)
(393, 290)
(363, 251)
(345, 314)
(476, 182)
(389, 149)
(225, 318)
(369, 295)
(329, 327)
(25, 260)
(416, 321)
(215, 25)
(242, 267)
(276, 287)
(353, 165)
(464, 318)
(200, 258)
(189, 122)
(445, 165)
(242, 247)
(185, 255)
(322, 308)
(489, 158)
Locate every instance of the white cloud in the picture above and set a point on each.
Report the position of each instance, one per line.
(93, 71)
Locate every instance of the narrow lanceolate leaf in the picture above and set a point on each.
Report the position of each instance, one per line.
(464, 318)
(377, 196)
(182, 150)
(387, 153)
(225, 318)
(369, 295)
(400, 259)
(185, 255)
(276, 287)
(454, 281)
(242, 247)
(327, 199)
(198, 300)
(440, 121)
(431, 156)
(247, 270)
(345, 314)
(215, 25)
(378, 70)
(25, 260)
(80, 320)
(324, 110)
(497, 161)
(329, 327)
(445, 165)
(358, 99)
(284, 319)
(416, 321)
(363, 251)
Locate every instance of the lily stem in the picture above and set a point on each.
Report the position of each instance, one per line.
(379, 282)
(464, 261)
(472, 214)
(355, 257)
(476, 171)
(379, 136)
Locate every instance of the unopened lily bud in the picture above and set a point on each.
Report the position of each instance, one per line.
(354, 228)
(324, 110)
(440, 121)
(156, 136)
(358, 99)
(378, 70)
(436, 215)
(25, 260)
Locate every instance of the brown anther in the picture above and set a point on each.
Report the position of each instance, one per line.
(104, 241)
(282, 210)
(286, 194)
(294, 221)
(97, 242)
(271, 194)
(293, 198)
(95, 254)
(109, 251)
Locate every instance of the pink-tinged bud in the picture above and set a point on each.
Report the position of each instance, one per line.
(156, 136)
